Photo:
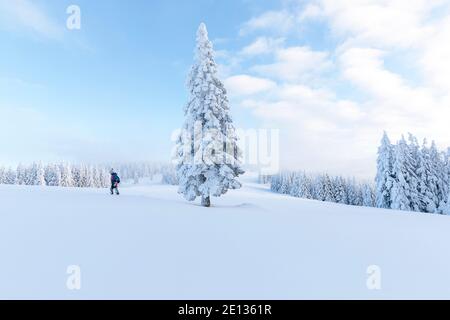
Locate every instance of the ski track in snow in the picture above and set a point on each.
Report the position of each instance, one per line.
(149, 243)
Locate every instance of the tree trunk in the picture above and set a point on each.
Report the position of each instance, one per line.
(206, 201)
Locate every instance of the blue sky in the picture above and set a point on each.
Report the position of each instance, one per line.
(331, 75)
(119, 80)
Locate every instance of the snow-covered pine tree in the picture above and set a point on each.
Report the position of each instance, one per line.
(446, 207)
(10, 177)
(96, 177)
(352, 192)
(66, 176)
(104, 177)
(2, 175)
(56, 176)
(31, 176)
(437, 181)
(427, 203)
(414, 181)
(207, 151)
(275, 183)
(368, 195)
(445, 181)
(76, 176)
(340, 191)
(385, 178)
(40, 178)
(401, 189)
(286, 183)
(305, 189)
(296, 183)
(21, 175)
(328, 189)
(319, 188)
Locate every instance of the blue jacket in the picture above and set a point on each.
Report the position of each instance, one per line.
(115, 178)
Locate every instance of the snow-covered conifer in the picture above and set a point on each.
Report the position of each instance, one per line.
(2, 175)
(413, 166)
(66, 176)
(207, 151)
(368, 195)
(10, 177)
(401, 189)
(385, 177)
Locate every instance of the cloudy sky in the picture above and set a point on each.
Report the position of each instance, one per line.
(330, 74)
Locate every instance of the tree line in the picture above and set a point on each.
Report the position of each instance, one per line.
(412, 177)
(82, 175)
(323, 187)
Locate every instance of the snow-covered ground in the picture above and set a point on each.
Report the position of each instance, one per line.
(149, 243)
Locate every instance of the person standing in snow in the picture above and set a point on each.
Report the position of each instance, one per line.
(115, 180)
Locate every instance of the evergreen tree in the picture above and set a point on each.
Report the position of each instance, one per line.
(385, 177)
(66, 176)
(296, 184)
(413, 165)
(207, 152)
(400, 192)
(435, 179)
(427, 198)
(368, 195)
(2, 175)
(305, 189)
(446, 207)
(328, 189)
(10, 177)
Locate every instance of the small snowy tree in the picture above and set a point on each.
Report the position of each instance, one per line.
(11, 177)
(446, 207)
(385, 178)
(328, 189)
(400, 192)
(207, 152)
(66, 176)
(21, 175)
(413, 154)
(296, 183)
(305, 188)
(368, 195)
(340, 191)
(2, 175)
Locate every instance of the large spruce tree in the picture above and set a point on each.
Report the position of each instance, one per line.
(207, 152)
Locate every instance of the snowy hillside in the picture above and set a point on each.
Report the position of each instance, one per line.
(252, 244)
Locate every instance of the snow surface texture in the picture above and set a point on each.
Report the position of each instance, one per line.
(251, 244)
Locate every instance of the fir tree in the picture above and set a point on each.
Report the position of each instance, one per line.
(207, 152)
(385, 177)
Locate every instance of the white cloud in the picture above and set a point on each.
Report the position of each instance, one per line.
(262, 45)
(246, 85)
(280, 21)
(24, 14)
(399, 23)
(434, 60)
(311, 11)
(294, 63)
(386, 67)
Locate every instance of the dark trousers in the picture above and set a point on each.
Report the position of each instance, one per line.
(114, 186)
